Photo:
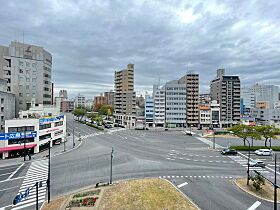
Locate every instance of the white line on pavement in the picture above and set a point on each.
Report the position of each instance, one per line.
(255, 205)
(8, 188)
(182, 185)
(15, 171)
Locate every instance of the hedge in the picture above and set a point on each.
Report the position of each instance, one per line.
(92, 125)
(253, 148)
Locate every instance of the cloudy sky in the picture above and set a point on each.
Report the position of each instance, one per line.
(89, 40)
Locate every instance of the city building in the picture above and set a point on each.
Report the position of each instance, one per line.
(192, 99)
(226, 91)
(175, 103)
(80, 101)
(7, 105)
(35, 133)
(99, 100)
(39, 110)
(204, 98)
(140, 101)
(28, 72)
(260, 95)
(109, 97)
(159, 106)
(67, 105)
(266, 116)
(209, 115)
(63, 94)
(149, 111)
(125, 97)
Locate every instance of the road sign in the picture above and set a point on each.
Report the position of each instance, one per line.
(50, 119)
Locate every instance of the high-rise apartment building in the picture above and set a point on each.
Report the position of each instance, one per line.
(80, 101)
(28, 72)
(125, 97)
(63, 94)
(226, 90)
(192, 99)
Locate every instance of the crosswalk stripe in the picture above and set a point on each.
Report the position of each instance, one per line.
(38, 171)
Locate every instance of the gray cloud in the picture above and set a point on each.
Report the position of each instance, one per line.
(89, 40)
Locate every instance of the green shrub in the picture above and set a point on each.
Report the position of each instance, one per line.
(246, 148)
(84, 194)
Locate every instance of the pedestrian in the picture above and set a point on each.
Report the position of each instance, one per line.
(29, 156)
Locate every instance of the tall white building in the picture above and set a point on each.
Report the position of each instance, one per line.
(80, 101)
(63, 94)
(159, 106)
(175, 110)
(28, 72)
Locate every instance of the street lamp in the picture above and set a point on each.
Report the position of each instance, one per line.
(73, 138)
(49, 173)
(111, 168)
(248, 169)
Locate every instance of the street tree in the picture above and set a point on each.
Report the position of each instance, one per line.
(267, 132)
(240, 130)
(106, 110)
(253, 134)
(80, 113)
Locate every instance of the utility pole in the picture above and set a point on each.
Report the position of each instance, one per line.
(24, 144)
(73, 138)
(37, 196)
(275, 186)
(214, 139)
(248, 169)
(64, 144)
(49, 173)
(111, 168)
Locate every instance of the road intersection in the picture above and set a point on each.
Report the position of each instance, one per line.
(203, 174)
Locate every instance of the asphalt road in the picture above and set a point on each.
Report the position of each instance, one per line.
(138, 154)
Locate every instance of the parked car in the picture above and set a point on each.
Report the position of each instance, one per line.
(264, 152)
(189, 133)
(108, 126)
(228, 152)
(57, 142)
(256, 163)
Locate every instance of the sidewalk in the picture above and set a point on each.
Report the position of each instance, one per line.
(55, 150)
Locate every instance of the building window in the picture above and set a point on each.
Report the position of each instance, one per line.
(43, 137)
(45, 126)
(58, 123)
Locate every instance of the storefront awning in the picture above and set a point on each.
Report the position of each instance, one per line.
(12, 148)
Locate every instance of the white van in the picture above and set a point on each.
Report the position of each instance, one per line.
(264, 152)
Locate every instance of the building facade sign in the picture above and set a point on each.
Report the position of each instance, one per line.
(18, 135)
(46, 120)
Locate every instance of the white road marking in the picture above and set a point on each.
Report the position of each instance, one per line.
(182, 185)
(8, 188)
(15, 171)
(254, 206)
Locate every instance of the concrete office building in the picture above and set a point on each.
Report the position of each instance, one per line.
(175, 103)
(7, 105)
(28, 72)
(63, 94)
(149, 111)
(80, 101)
(125, 97)
(204, 98)
(99, 100)
(67, 105)
(226, 91)
(266, 116)
(159, 106)
(260, 96)
(37, 132)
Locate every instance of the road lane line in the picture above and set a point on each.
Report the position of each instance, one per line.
(7, 180)
(254, 206)
(8, 188)
(4, 174)
(182, 185)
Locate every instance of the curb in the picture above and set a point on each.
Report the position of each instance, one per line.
(253, 194)
(69, 150)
